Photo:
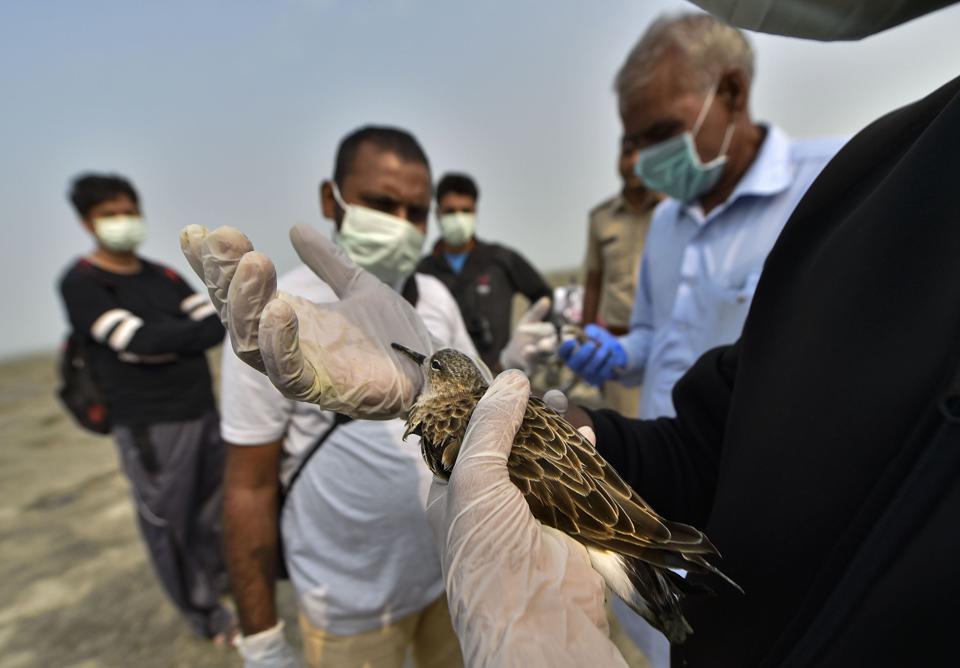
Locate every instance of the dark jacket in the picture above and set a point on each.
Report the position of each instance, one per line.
(484, 290)
(821, 453)
(157, 373)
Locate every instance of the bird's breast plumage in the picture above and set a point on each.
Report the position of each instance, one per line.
(441, 422)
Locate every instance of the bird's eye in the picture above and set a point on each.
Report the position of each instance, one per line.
(435, 365)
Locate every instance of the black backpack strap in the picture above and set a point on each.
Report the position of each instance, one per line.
(338, 419)
(410, 291)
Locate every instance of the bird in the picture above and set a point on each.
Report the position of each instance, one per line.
(569, 487)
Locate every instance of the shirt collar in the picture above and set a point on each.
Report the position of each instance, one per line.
(770, 174)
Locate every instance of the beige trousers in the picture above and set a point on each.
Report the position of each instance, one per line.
(625, 400)
(428, 634)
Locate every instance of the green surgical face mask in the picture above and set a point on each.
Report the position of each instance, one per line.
(674, 167)
(122, 234)
(387, 246)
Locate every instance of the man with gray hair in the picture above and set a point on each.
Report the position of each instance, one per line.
(684, 94)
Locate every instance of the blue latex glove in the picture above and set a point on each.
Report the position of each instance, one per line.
(596, 361)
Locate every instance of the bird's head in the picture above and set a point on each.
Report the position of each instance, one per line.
(448, 371)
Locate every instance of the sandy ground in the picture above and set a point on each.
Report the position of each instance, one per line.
(76, 589)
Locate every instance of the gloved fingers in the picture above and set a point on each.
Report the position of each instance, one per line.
(581, 586)
(254, 284)
(573, 332)
(330, 262)
(593, 367)
(437, 508)
(496, 419)
(220, 252)
(581, 357)
(566, 349)
(283, 358)
(191, 240)
(537, 312)
(596, 332)
(609, 368)
(556, 401)
(547, 344)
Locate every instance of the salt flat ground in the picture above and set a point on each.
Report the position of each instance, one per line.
(76, 588)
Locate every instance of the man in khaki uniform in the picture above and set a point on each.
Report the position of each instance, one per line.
(618, 227)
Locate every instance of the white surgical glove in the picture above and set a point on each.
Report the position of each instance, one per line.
(267, 649)
(335, 355)
(531, 338)
(520, 594)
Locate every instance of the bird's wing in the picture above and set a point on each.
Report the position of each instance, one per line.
(569, 486)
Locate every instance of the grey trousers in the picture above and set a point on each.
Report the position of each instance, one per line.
(175, 471)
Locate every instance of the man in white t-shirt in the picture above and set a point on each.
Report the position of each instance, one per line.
(355, 536)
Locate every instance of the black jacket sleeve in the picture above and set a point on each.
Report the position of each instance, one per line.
(87, 301)
(673, 462)
(184, 336)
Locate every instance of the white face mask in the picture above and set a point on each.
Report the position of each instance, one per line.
(120, 233)
(458, 228)
(387, 246)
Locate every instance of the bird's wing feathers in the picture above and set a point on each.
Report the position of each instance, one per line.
(569, 486)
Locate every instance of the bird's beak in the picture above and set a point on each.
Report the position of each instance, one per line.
(416, 357)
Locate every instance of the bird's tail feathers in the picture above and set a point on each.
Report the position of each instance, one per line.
(650, 593)
(697, 563)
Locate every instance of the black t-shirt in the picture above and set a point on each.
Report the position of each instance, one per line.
(795, 447)
(484, 290)
(148, 332)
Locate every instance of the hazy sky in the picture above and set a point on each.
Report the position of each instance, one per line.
(228, 112)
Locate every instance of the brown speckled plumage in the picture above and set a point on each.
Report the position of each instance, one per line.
(569, 487)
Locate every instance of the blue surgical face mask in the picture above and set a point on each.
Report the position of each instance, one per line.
(673, 166)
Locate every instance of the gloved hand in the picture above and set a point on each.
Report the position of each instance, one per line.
(267, 649)
(520, 594)
(531, 337)
(597, 360)
(335, 355)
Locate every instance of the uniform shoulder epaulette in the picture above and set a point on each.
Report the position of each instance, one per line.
(605, 204)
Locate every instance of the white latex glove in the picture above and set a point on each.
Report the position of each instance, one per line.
(267, 649)
(532, 337)
(520, 594)
(335, 355)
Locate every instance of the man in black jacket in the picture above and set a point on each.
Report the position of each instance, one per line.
(483, 277)
(147, 332)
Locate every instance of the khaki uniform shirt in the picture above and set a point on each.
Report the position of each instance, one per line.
(614, 248)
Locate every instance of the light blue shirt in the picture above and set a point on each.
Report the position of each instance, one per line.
(456, 260)
(698, 273)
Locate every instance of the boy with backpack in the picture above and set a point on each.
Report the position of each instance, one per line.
(136, 367)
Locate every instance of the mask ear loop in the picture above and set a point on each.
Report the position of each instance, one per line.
(337, 196)
(728, 135)
(726, 139)
(704, 109)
